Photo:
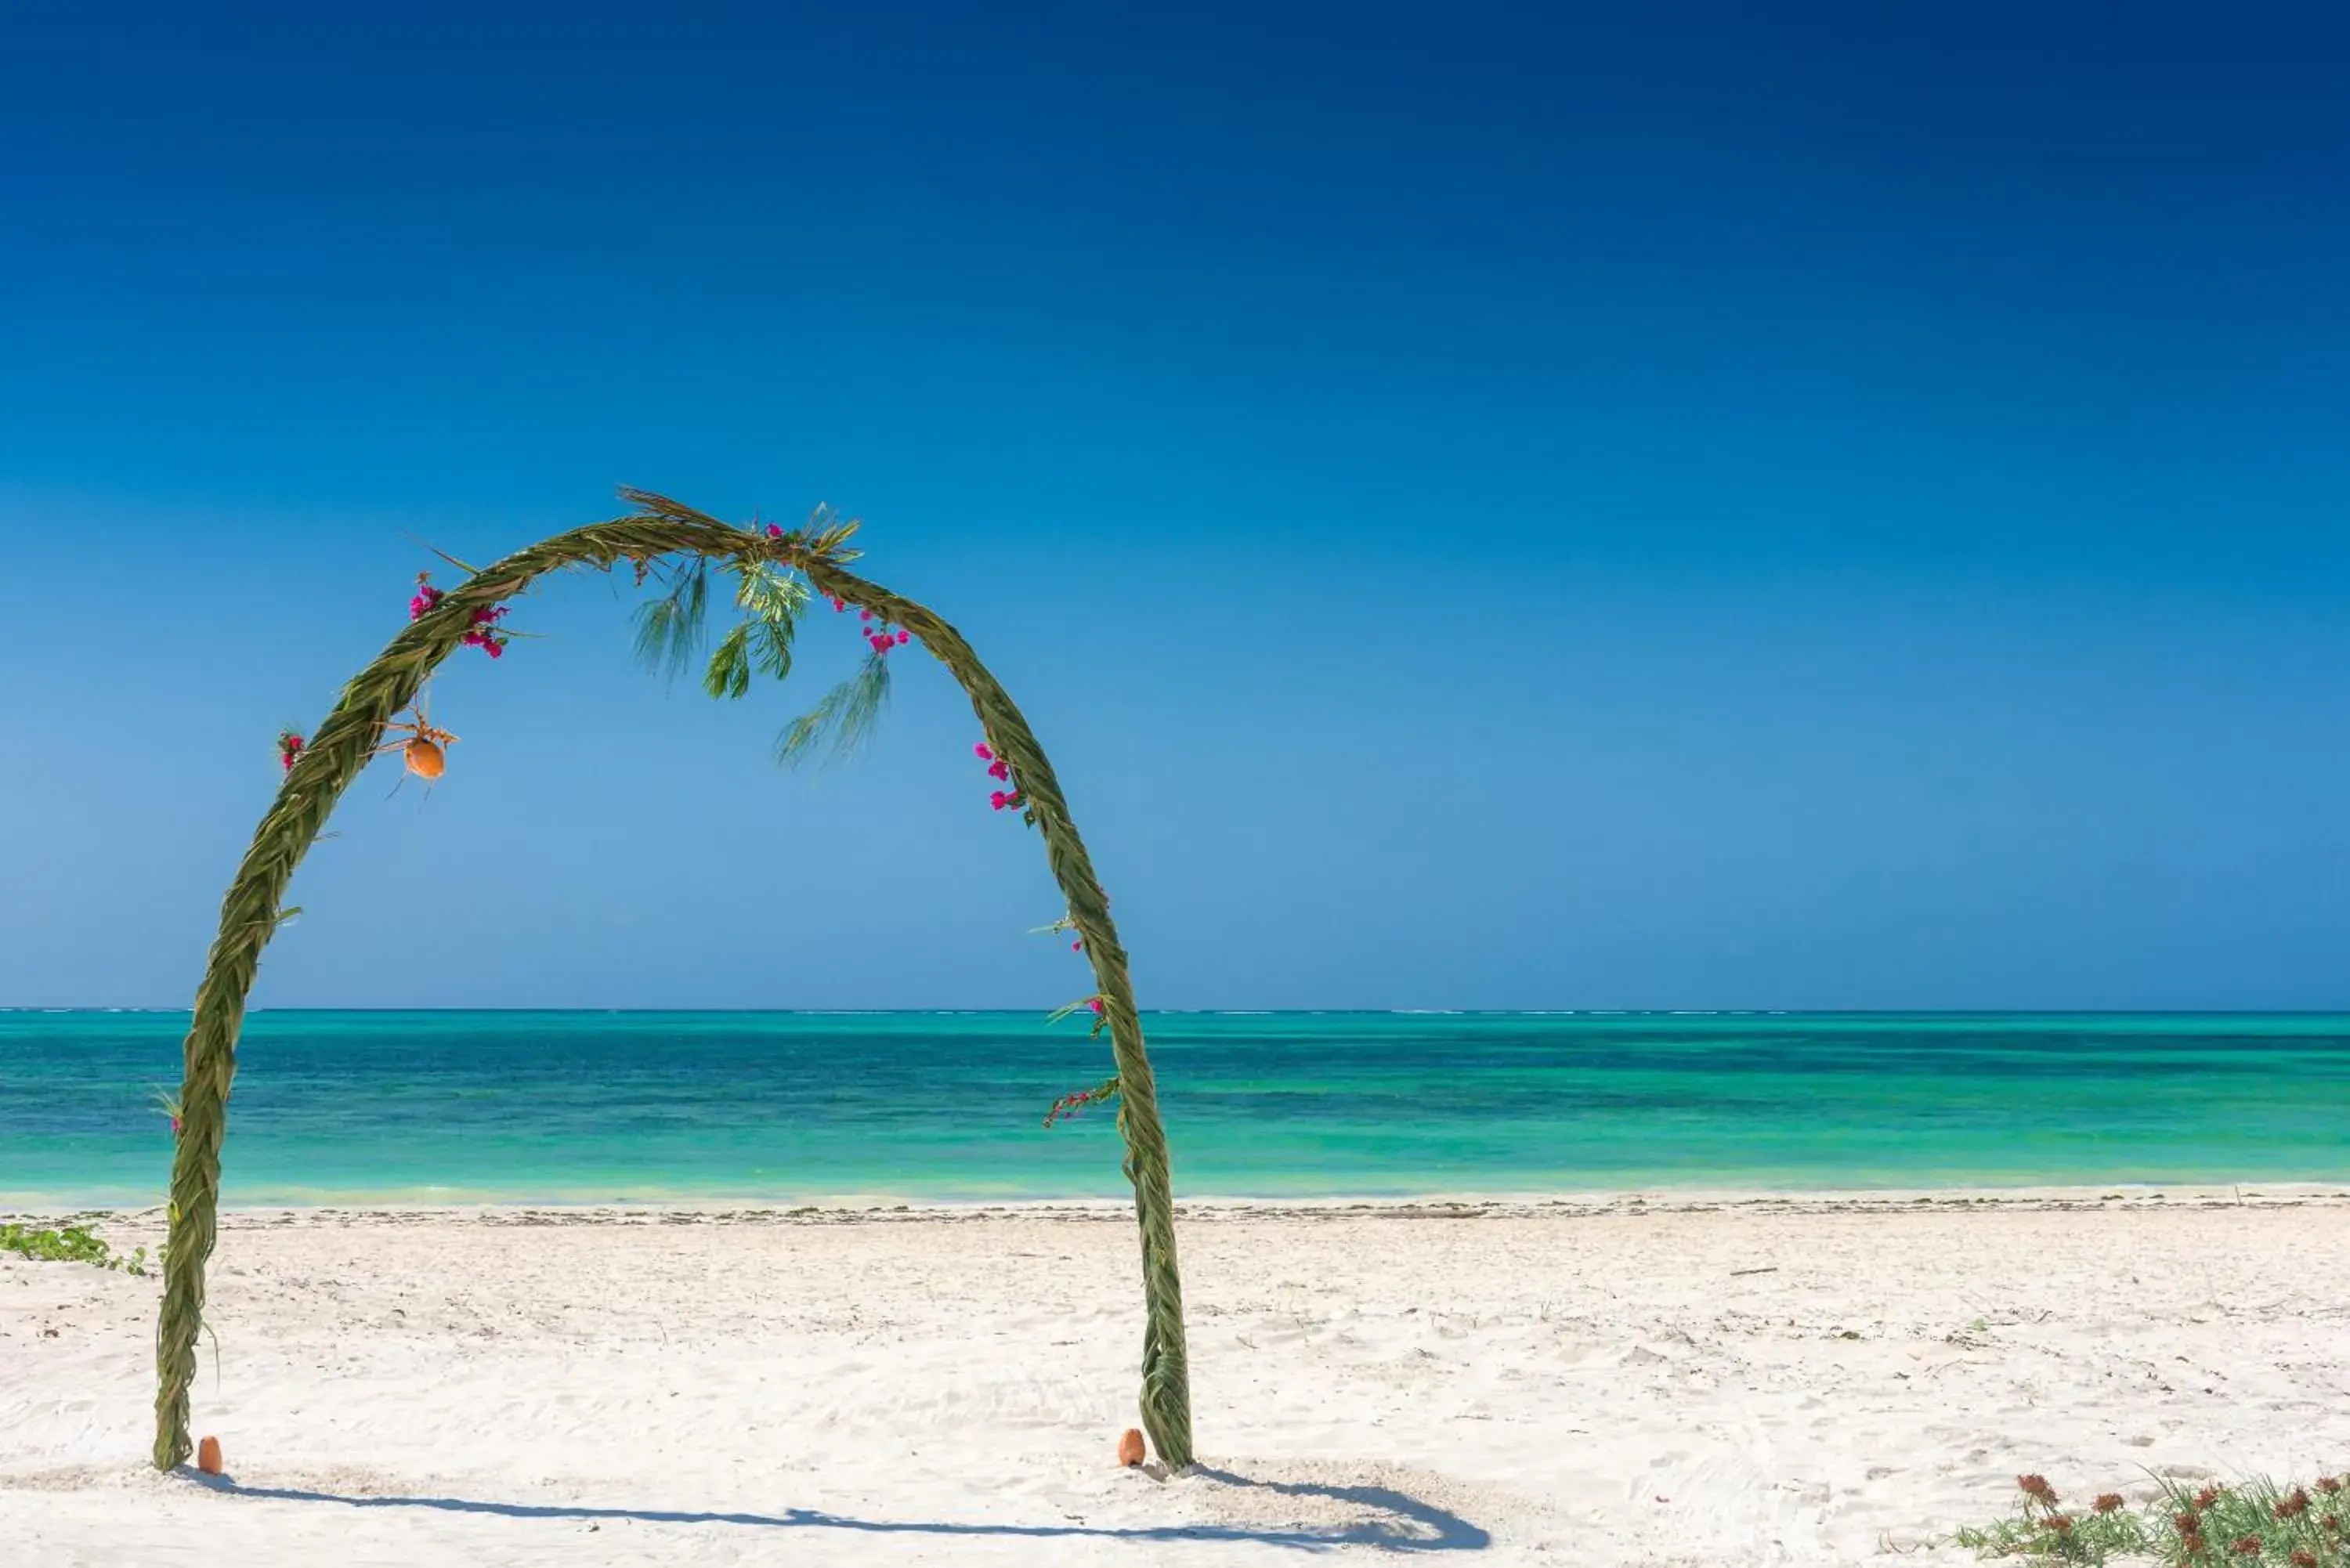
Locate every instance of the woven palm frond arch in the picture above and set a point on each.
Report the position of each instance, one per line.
(335, 756)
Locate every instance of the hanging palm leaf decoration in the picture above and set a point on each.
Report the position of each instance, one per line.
(672, 629)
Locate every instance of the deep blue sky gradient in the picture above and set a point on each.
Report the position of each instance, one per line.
(1677, 506)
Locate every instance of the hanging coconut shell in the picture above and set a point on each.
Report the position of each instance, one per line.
(1130, 1449)
(208, 1455)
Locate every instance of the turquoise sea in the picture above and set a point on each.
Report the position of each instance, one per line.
(598, 1106)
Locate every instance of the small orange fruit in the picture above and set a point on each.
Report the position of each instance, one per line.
(208, 1455)
(1130, 1449)
(425, 760)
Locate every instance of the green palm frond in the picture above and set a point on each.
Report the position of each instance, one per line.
(844, 721)
(729, 674)
(826, 532)
(1093, 1004)
(771, 645)
(465, 566)
(773, 597)
(1080, 1005)
(654, 504)
(670, 628)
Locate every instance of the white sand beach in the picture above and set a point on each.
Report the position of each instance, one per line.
(1726, 1381)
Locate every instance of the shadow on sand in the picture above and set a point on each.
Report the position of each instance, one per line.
(1400, 1521)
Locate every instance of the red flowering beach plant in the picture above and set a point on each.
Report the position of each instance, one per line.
(2255, 1523)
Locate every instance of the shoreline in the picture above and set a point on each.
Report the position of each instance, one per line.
(881, 1208)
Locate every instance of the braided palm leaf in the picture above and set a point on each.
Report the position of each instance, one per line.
(659, 529)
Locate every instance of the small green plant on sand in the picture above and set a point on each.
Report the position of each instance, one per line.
(69, 1244)
(2257, 1524)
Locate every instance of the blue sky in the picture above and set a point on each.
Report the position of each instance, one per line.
(1679, 506)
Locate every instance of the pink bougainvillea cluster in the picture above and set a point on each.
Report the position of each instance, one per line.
(483, 634)
(1068, 1105)
(999, 771)
(879, 636)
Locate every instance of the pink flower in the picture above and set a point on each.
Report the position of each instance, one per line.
(1097, 1005)
(865, 614)
(905, 636)
(998, 799)
(982, 753)
(999, 769)
(839, 604)
(1078, 946)
(774, 531)
(497, 649)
